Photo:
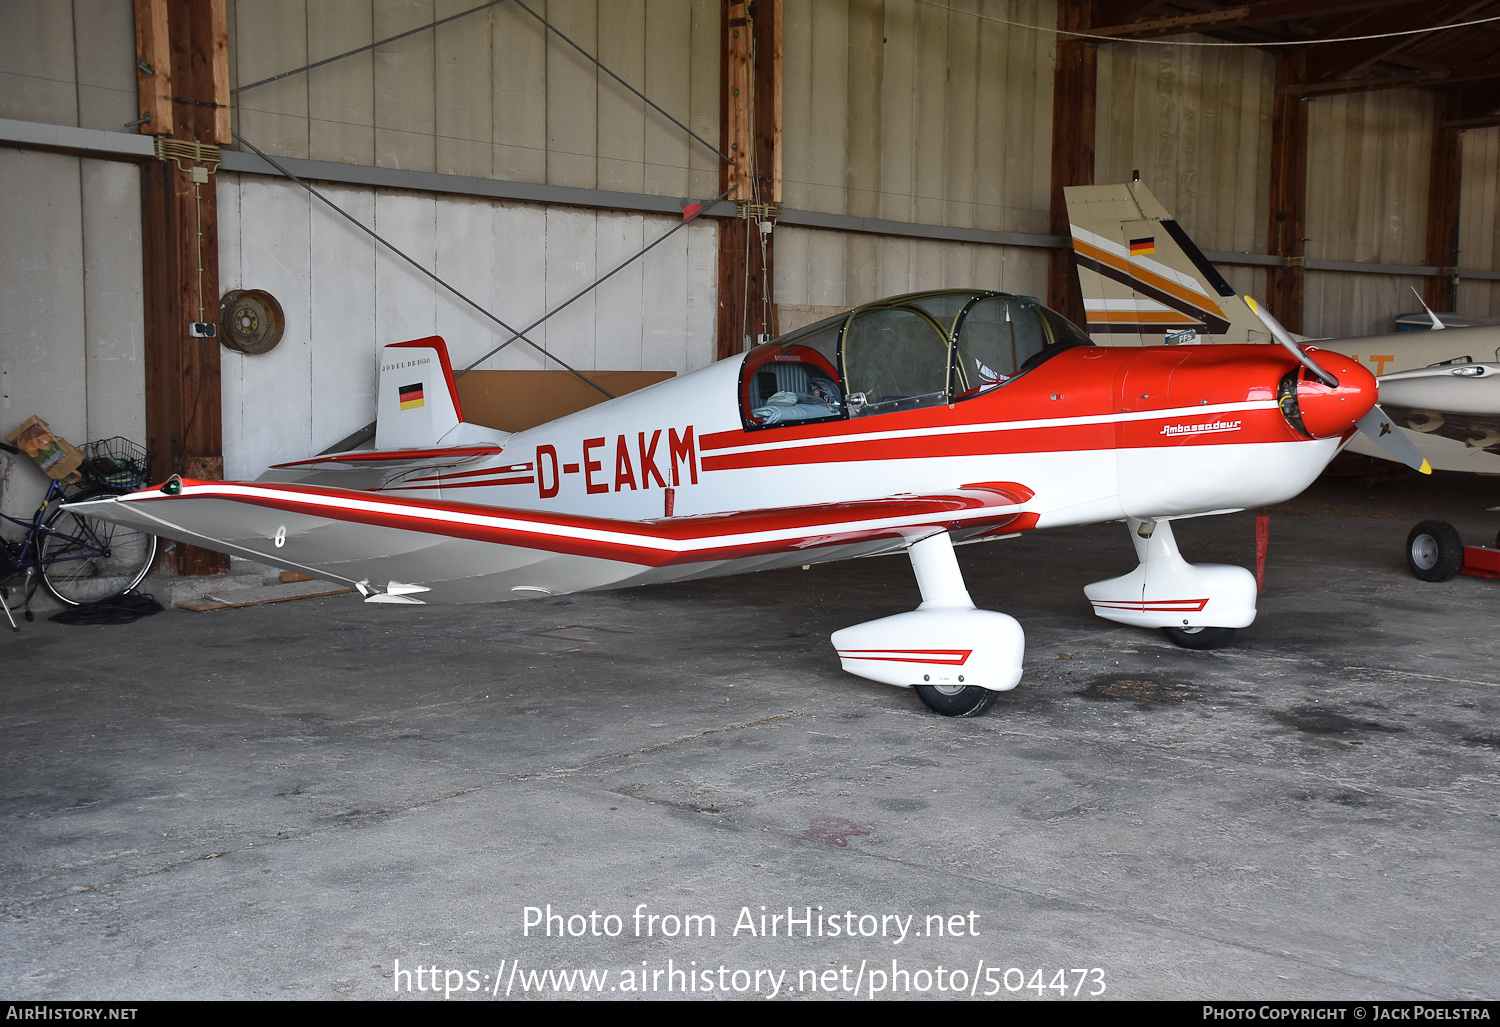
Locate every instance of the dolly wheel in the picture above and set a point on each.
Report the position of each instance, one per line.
(1434, 551)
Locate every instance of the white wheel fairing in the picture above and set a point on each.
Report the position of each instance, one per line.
(941, 648)
(1165, 591)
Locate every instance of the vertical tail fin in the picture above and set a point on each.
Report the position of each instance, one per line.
(417, 403)
(1142, 277)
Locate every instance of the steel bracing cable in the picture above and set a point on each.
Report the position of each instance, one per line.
(365, 432)
(603, 278)
(553, 29)
(410, 260)
(474, 10)
(369, 46)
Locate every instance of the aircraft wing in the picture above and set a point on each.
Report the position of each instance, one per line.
(396, 549)
(1456, 401)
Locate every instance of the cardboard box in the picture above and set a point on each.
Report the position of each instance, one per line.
(56, 456)
(517, 400)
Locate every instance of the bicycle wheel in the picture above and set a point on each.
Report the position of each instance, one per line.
(85, 559)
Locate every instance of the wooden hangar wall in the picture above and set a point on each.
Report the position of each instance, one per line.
(924, 119)
(492, 95)
(910, 112)
(1479, 222)
(71, 321)
(1196, 123)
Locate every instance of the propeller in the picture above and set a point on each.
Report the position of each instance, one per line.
(1377, 425)
(1284, 337)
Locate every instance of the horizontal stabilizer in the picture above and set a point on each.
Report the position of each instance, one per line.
(393, 459)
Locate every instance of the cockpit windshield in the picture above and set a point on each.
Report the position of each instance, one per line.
(902, 353)
(895, 358)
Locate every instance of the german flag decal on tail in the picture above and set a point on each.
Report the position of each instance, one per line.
(1141, 276)
(417, 401)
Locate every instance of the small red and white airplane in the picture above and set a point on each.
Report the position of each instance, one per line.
(912, 423)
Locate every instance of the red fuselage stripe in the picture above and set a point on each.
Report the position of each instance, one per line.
(1167, 431)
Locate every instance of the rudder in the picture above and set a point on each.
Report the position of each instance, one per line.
(1143, 280)
(417, 402)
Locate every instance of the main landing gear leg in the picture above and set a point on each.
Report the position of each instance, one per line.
(1197, 606)
(957, 657)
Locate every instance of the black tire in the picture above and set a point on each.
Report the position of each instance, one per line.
(1198, 638)
(84, 559)
(1434, 551)
(956, 700)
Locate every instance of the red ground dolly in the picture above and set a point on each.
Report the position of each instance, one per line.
(1435, 552)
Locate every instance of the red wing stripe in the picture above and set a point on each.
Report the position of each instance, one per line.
(653, 543)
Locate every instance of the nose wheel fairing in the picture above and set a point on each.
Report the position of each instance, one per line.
(1165, 591)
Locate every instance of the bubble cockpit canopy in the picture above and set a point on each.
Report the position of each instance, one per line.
(902, 353)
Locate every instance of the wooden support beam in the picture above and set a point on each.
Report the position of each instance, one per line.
(767, 96)
(1415, 80)
(750, 108)
(180, 258)
(1257, 13)
(735, 97)
(211, 46)
(1475, 101)
(1443, 190)
(1119, 12)
(1285, 237)
(1330, 62)
(153, 68)
(1074, 95)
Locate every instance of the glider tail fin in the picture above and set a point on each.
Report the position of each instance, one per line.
(417, 403)
(1143, 280)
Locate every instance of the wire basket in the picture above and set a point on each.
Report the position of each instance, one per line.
(117, 463)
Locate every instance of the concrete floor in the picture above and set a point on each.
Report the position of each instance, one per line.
(287, 800)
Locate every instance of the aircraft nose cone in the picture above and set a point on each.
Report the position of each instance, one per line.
(1331, 412)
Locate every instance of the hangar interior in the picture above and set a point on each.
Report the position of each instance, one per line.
(519, 153)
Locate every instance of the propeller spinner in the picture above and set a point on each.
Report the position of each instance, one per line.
(1377, 425)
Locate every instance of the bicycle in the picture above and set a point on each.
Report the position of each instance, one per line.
(79, 559)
